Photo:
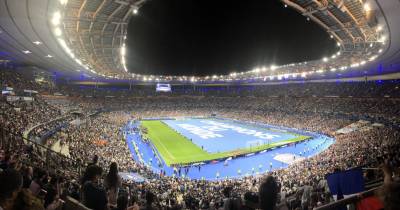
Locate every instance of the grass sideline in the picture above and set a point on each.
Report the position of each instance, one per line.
(177, 149)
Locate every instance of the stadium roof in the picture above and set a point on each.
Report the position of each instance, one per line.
(88, 36)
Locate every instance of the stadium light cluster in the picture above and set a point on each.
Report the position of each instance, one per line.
(331, 63)
(254, 74)
(56, 20)
(135, 11)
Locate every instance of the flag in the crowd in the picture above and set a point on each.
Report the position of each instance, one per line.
(345, 183)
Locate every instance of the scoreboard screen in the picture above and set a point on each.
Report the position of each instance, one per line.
(163, 87)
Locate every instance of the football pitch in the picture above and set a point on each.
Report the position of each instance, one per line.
(187, 141)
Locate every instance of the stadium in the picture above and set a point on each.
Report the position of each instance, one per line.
(307, 117)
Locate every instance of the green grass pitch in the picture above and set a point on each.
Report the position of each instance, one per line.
(177, 149)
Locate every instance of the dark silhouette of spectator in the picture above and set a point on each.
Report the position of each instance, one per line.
(95, 160)
(150, 198)
(268, 193)
(10, 185)
(122, 203)
(233, 204)
(27, 176)
(390, 192)
(250, 201)
(39, 180)
(94, 197)
(52, 191)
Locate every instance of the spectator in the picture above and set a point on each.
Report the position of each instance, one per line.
(10, 185)
(122, 203)
(27, 176)
(52, 191)
(390, 193)
(27, 201)
(268, 193)
(5, 161)
(306, 196)
(94, 197)
(94, 160)
(112, 183)
(150, 199)
(40, 179)
(233, 204)
(250, 201)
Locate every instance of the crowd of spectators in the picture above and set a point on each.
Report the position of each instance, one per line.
(33, 179)
(18, 116)
(100, 135)
(40, 132)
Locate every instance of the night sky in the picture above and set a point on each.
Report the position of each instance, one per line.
(206, 37)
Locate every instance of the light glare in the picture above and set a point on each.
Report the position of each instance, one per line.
(56, 18)
(63, 2)
(57, 31)
(367, 7)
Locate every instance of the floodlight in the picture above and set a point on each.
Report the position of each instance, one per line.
(264, 69)
(57, 31)
(63, 2)
(382, 39)
(367, 7)
(56, 18)
(123, 51)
